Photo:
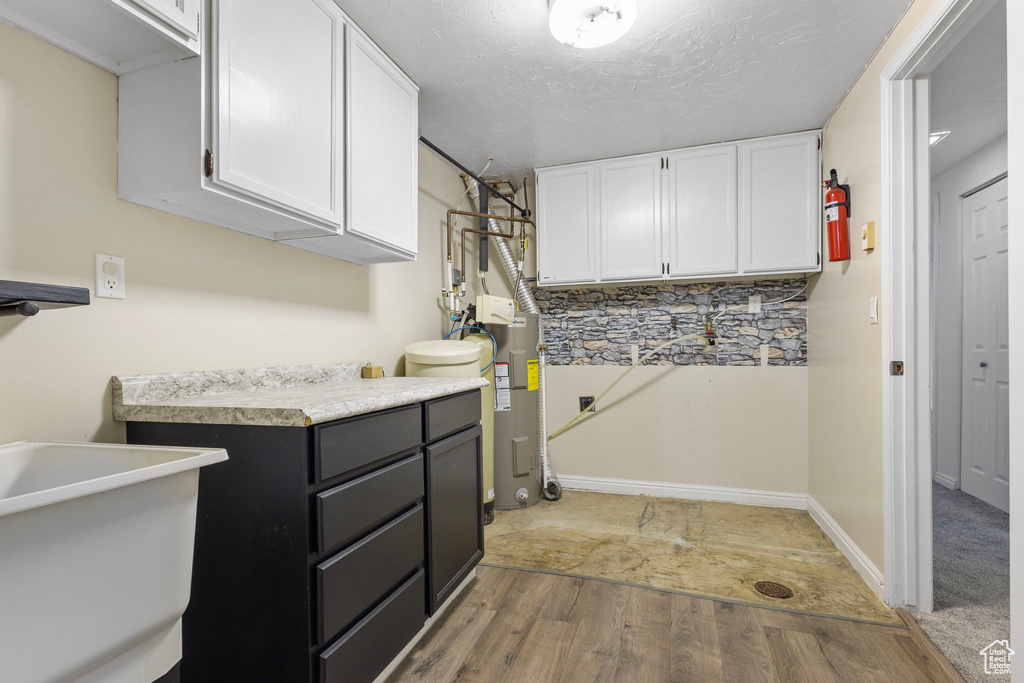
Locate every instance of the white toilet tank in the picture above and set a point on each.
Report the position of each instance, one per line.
(96, 545)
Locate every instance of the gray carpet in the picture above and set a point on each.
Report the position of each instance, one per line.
(972, 581)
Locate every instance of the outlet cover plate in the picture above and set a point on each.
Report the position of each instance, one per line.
(109, 276)
(754, 304)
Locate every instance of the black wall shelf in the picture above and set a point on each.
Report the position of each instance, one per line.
(28, 298)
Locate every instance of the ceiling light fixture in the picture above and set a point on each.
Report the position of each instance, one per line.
(590, 23)
(937, 137)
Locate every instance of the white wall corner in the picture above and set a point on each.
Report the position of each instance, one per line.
(718, 494)
(864, 566)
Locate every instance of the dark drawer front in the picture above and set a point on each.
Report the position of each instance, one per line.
(362, 653)
(351, 509)
(450, 414)
(351, 445)
(356, 578)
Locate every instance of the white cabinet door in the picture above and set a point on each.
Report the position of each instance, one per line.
(567, 224)
(779, 199)
(630, 200)
(181, 15)
(383, 148)
(700, 228)
(278, 99)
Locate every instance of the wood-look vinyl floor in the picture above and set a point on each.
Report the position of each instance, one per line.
(513, 625)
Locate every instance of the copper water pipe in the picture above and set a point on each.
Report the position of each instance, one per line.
(473, 214)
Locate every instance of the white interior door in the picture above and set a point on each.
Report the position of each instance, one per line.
(630, 197)
(984, 449)
(278, 91)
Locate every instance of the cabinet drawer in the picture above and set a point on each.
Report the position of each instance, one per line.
(354, 579)
(450, 414)
(350, 445)
(362, 653)
(353, 508)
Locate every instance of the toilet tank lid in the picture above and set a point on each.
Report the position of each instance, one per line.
(442, 352)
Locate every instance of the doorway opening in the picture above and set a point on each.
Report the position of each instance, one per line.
(945, 280)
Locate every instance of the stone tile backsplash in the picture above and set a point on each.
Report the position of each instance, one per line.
(598, 326)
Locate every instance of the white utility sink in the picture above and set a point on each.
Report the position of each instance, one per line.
(96, 544)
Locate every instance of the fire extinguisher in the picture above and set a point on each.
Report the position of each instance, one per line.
(837, 214)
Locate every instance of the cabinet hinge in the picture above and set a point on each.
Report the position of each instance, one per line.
(197, 23)
(819, 258)
(208, 163)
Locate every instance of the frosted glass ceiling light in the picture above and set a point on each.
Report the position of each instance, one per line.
(586, 23)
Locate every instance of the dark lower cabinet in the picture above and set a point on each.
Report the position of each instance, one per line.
(321, 551)
(456, 491)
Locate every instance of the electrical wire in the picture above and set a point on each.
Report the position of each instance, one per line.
(764, 303)
(493, 341)
(621, 377)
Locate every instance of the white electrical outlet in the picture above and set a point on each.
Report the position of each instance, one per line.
(634, 351)
(109, 276)
(754, 304)
(764, 355)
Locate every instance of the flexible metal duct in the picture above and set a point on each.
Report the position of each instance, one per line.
(552, 487)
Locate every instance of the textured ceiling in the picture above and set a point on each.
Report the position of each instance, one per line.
(495, 83)
(968, 93)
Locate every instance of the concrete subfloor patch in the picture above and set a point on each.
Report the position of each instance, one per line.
(718, 550)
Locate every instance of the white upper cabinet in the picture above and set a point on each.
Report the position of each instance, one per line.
(275, 110)
(744, 209)
(700, 228)
(117, 35)
(566, 212)
(292, 126)
(384, 147)
(780, 196)
(630, 218)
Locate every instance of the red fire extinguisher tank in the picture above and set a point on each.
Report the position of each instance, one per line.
(837, 214)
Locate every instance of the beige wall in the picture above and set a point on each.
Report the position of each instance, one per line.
(198, 296)
(734, 427)
(844, 350)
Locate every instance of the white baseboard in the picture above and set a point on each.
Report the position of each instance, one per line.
(943, 480)
(720, 494)
(864, 566)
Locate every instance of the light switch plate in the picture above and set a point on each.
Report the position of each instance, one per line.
(109, 276)
(873, 310)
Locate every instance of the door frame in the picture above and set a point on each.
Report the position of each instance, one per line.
(906, 319)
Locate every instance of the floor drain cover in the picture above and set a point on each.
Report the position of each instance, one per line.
(773, 590)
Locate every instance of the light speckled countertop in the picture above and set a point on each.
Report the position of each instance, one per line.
(294, 396)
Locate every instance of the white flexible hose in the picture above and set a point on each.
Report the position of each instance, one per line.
(529, 305)
(621, 377)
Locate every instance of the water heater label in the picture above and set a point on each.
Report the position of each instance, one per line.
(502, 389)
(532, 375)
(518, 321)
(502, 400)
